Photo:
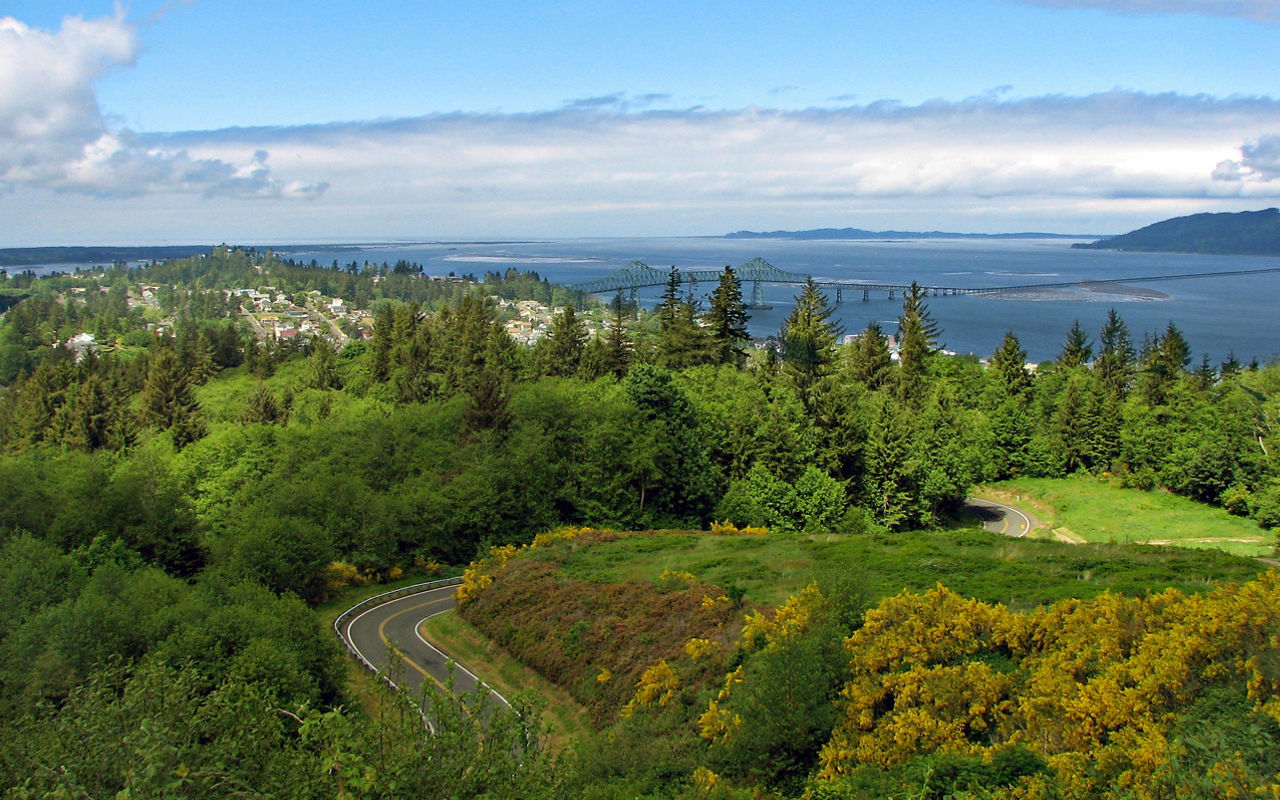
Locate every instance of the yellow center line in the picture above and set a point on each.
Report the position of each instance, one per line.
(405, 658)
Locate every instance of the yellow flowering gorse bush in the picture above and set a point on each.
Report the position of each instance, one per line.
(1095, 686)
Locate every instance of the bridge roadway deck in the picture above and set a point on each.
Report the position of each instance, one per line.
(629, 278)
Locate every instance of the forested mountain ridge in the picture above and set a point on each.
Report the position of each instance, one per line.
(175, 497)
(1253, 233)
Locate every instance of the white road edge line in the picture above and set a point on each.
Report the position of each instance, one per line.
(1026, 527)
(347, 631)
(417, 632)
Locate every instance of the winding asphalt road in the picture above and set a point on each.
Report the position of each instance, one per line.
(388, 637)
(374, 632)
(1000, 518)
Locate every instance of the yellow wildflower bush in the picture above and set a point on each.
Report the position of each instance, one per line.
(339, 575)
(727, 528)
(791, 618)
(709, 602)
(1097, 687)
(479, 574)
(561, 534)
(697, 648)
(657, 686)
(704, 780)
(672, 580)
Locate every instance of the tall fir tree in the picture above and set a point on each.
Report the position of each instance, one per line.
(1009, 366)
(808, 338)
(1077, 350)
(682, 342)
(618, 345)
(1115, 362)
(727, 319)
(869, 358)
(560, 353)
(168, 402)
(917, 341)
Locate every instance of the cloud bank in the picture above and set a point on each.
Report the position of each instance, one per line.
(53, 134)
(589, 161)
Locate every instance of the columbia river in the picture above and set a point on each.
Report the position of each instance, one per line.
(1217, 315)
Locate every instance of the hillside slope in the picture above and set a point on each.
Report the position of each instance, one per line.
(1255, 233)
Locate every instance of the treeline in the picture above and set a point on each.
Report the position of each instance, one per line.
(636, 428)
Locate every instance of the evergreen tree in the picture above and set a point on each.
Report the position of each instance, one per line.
(808, 338)
(1205, 375)
(727, 319)
(1115, 363)
(167, 400)
(1164, 360)
(263, 408)
(1076, 422)
(323, 367)
(869, 360)
(486, 404)
(682, 342)
(669, 308)
(383, 341)
(1077, 350)
(1231, 367)
(560, 353)
(618, 346)
(917, 341)
(1175, 352)
(1009, 365)
(888, 482)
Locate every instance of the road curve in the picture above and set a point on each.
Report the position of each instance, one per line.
(372, 632)
(1000, 518)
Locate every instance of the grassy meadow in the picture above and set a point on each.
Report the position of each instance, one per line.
(1091, 510)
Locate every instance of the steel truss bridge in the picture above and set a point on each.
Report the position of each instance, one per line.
(757, 271)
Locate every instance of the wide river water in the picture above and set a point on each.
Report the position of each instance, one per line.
(1219, 314)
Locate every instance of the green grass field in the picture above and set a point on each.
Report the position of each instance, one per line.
(1017, 572)
(1097, 511)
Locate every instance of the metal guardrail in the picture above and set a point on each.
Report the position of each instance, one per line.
(377, 600)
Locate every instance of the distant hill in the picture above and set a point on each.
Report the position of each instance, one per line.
(858, 233)
(1248, 233)
(36, 256)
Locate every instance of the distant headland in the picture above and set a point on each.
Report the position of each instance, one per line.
(858, 233)
(1247, 233)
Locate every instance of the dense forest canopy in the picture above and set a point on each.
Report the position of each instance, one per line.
(182, 480)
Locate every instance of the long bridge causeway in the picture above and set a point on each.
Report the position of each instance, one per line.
(757, 271)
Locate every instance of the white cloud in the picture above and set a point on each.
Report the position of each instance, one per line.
(1259, 161)
(1100, 163)
(1112, 145)
(54, 135)
(1260, 10)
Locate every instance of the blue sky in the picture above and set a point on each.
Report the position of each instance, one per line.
(230, 120)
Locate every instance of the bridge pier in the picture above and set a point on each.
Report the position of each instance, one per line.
(839, 295)
(890, 294)
(935, 292)
(866, 295)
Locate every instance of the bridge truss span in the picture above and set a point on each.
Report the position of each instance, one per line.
(757, 271)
